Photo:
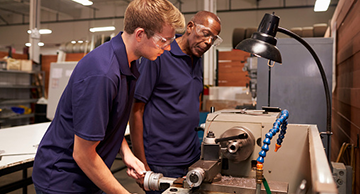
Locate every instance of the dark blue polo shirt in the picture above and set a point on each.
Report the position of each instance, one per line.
(95, 106)
(170, 86)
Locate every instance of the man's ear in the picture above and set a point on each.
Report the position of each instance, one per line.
(139, 34)
(190, 26)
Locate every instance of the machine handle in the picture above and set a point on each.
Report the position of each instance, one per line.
(199, 129)
(240, 136)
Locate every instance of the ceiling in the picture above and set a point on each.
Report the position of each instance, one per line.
(21, 8)
(16, 12)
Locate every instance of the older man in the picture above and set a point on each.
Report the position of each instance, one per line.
(166, 108)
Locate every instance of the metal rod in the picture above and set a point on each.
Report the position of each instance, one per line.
(258, 188)
(269, 86)
(24, 176)
(240, 136)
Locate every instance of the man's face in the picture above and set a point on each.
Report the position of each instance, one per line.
(203, 36)
(157, 44)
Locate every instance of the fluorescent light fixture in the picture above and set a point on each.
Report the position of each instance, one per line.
(321, 5)
(28, 44)
(45, 31)
(84, 2)
(102, 29)
(80, 41)
(42, 31)
(73, 42)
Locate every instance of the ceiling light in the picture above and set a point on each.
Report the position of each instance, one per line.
(28, 44)
(321, 5)
(42, 31)
(84, 2)
(102, 29)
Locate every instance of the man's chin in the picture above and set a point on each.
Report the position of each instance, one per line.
(153, 58)
(198, 52)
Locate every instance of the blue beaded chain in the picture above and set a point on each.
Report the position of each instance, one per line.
(280, 122)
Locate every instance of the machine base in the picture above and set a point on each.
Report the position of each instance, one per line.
(232, 185)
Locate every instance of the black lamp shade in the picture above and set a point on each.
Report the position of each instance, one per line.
(263, 42)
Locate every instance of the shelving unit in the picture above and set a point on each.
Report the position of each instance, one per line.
(19, 88)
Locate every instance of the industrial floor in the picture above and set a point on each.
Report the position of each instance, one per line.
(121, 176)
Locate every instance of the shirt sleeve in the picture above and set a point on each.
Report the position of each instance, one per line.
(92, 99)
(149, 72)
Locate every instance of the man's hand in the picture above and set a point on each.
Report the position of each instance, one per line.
(135, 166)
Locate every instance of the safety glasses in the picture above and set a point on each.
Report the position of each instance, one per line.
(162, 42)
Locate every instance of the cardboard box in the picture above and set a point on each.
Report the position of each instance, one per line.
(13, 64)
(26, 65)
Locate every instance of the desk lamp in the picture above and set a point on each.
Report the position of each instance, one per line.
(263, 44)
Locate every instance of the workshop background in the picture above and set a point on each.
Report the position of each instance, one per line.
(71, 39)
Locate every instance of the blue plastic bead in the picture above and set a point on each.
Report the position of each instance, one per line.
(281, 136)
(265, 147)
(262, 153)
(279, 141)
(267, 141)
(273, 131)
(260, 159)
(269, 135)
(285, 112)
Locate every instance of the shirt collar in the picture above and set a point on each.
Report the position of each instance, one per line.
(121, 55)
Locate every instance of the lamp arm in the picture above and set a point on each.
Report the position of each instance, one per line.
(323, 76)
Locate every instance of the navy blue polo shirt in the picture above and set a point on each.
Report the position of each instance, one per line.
(95, 106)
(170, 86)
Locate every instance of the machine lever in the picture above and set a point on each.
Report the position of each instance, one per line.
(199, 129)
(240, 136)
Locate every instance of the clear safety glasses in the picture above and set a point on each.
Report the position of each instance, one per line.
(162, 42)
(206, 33)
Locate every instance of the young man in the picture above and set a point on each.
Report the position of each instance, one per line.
(80, 145)
(166, 108)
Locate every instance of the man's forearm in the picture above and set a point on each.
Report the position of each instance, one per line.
(136, 133)
(94, 167)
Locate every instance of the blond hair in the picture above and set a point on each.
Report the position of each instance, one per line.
(152, 15)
